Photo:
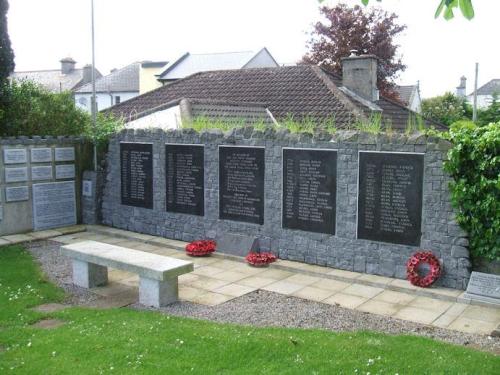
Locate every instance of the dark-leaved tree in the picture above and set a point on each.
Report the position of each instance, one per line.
(367, 32)
(6, 53)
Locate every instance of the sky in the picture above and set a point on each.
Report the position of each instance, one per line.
(437, 52)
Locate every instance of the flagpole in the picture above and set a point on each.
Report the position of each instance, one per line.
(93, 100)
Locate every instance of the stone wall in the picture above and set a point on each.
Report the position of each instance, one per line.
(440, 232)
(17, 216)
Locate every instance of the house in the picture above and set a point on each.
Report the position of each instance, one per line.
(148, 79)
(301, 92)
(410, 96)
(67, 78)
(189, 63)
(485, 93)
(120, 85)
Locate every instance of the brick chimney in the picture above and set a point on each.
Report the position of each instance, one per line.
(67, 65)
(87, 74)
(359, 74)
(463, 86)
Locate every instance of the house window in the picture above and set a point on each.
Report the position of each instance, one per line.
(117, 99)
(82, 101)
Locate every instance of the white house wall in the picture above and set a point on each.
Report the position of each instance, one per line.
(167, 119)
(103, 100)
(483, 101)
(261, 60)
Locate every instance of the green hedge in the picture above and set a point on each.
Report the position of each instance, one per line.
(474, 164)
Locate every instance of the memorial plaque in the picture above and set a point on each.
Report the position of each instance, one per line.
(41, 155)
(64, 153)
(185, 180)
(309, 190)
(14, 155)
(65, 171)
(16, 174)
(136, 163)
(390, 197)
(483, 287)
(87, 188)
(241, 184)
(41, 173)
(54, 205)
(17, 193)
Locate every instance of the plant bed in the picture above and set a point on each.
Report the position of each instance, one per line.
(200, 248)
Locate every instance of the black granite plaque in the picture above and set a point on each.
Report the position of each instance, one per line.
(390, 197)
(185, 182)
(309, 190)
(136, 163)
(241, 184)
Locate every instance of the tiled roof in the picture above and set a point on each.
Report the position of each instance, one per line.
(406, 93)
(124, 79)
(489, 88)
(302, 92)
(189, 63)
(53, 80)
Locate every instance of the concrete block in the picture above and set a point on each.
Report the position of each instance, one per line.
(89, 275)
(158, 293)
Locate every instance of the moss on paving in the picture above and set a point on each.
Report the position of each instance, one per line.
(128, 341)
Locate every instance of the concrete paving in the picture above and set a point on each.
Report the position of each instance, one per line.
(219, 278)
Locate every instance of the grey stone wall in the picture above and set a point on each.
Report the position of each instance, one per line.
(17, 216)
(440, 233)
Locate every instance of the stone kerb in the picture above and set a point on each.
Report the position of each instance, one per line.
(440, 232)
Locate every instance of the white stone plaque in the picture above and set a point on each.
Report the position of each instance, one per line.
(54, 205)
(87, 188)
(14, 155)
(41, 173)
(483, 287)
(65, 171)
(16, 174)
(17, 193)
(41, 155)
(65, 154)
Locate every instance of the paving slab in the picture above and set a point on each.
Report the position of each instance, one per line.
(207, 283)
(482, 313)
(230, 276)
(431, 304)
(211, 299)
(344, 274)
(362, 290)
(330, 284)
(256, 281)
(49, 323)
(379, 307)
(208, 270)
(50, 307)
(4, 242)
(391, 296)
(472, 325)
(44, 234)
(302, 279)
(128, 297)
(275, 274)
(345, 300)
(71, 229)
(456, 309)
(313, 294)
(187, 293)
(283, 287)
(418, 315)
(113, 288)
(235, 290)
(18, 238)
(444, 320)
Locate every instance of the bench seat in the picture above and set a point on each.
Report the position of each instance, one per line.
(157, 274)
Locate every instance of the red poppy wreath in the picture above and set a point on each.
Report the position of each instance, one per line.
(413, 264)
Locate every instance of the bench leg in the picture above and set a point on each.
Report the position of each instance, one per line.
(89, 275)
(158, 293)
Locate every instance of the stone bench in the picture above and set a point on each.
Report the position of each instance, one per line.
(157, 274)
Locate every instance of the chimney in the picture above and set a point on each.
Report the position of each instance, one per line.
(359, 74)
(67, 65)
(462, 88)
(87, 74)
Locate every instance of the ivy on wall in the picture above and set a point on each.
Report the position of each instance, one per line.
(474, 164)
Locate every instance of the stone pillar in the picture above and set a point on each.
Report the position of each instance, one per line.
(91, 197)
(158, 293)
(89, 275)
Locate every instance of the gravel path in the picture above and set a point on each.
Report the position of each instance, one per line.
(262, 308)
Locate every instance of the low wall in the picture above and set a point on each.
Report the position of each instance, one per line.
(339, 245)
(48, 169)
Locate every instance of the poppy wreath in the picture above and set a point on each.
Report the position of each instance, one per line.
(412, 269)
(260, 259)
(200, 248)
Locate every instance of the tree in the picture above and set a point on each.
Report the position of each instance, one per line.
(6, 53)
(446, 7)
(446, 109)
(366, 32)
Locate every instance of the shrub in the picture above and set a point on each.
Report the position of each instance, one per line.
(474, 164)
(29, 109)
(446, 109)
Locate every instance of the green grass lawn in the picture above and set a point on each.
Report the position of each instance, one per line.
(127, 341)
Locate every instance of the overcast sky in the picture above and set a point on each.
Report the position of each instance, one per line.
(437, 52)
